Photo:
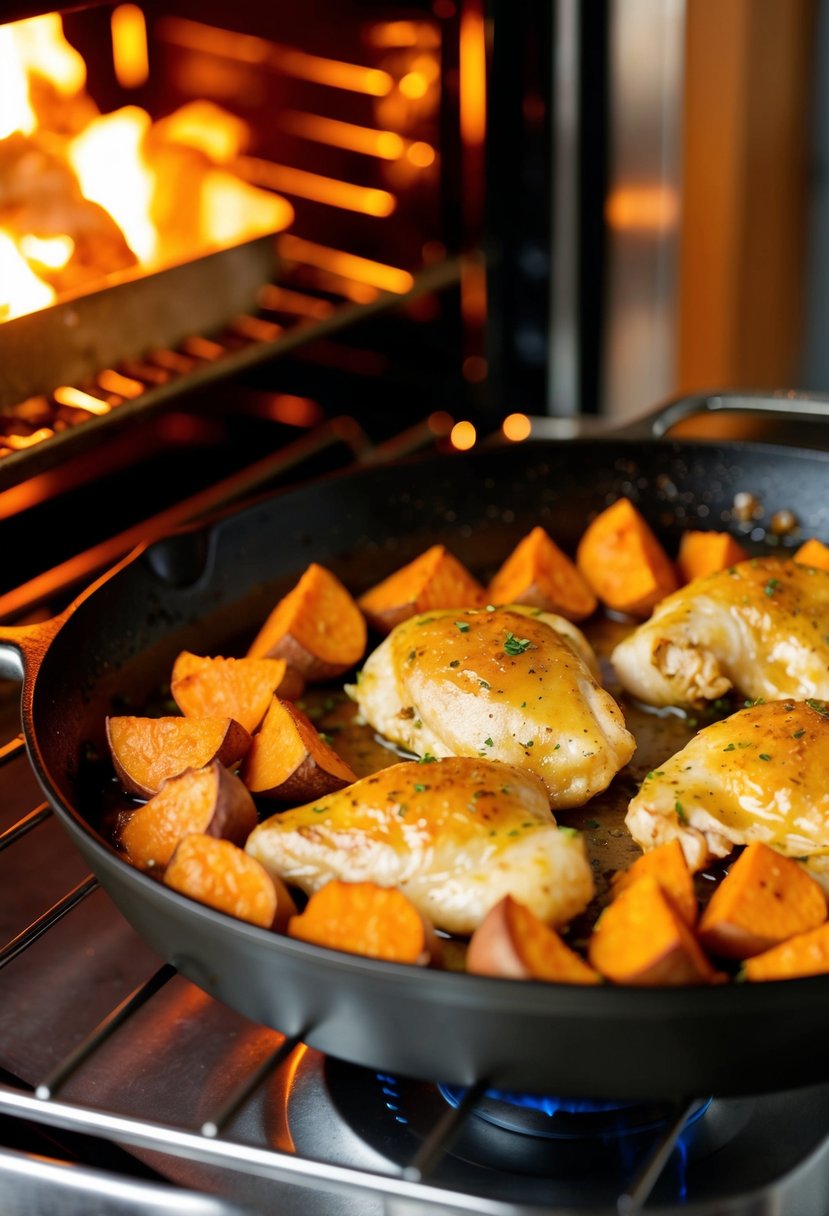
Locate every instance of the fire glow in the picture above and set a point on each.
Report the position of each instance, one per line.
(85, 195)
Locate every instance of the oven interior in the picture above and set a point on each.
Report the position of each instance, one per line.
(368, 341)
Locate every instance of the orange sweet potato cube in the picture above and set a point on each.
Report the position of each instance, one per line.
(641, 939)
(668, 866)
(764, 899)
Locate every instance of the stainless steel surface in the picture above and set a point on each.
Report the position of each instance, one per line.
(564, 388)
(38, 1186)
(646, 54)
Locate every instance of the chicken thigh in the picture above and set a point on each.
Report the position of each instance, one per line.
(456, 836)
(503, 684)
(759, 774)
(761, 627)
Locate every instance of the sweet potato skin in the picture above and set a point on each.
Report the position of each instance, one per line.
(317, 628)
(641, 940)
(623, 562)
(289, 760)
(537, 573)
(511, 942)
(764, 899)
(221, 875)
(364, 918)
(210, 801)
(169, 745)
(435, 579)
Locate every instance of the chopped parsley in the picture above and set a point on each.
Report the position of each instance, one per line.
(318, 810)
(488, 742)
(683, 818)
(484, 684)
(798, 734)
(569, 832)
(420, 788)
(529, 743)
(771, 586)
(514, 645)
(730, 748)
(463, 626)
(412, 656)
(764, 756)
(427, 758)
(820, 707)
(455, 663)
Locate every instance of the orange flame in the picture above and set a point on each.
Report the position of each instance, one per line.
(130, 192)
(109, 161)
(21, 290)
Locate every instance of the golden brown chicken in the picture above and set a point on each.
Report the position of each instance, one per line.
(759, 774)
(455, 835)
(502, 684)
(761, 627)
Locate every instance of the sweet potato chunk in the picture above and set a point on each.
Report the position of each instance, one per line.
(764, 899)
(806, 954)
(240, 688)
(436, 579)
(217, 873)
(537, 573)
(668, 866)
(814, 553)
(512, 942)
(702, 553)
(363, 918)
(317, 628)
(288, 759)
(208, 800)
(641, 939)
(623, 562)
(147, 751)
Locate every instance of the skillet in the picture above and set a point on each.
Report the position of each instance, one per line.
(201, 588)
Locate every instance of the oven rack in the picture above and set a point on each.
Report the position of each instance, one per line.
(305, 302)
(40, 1103)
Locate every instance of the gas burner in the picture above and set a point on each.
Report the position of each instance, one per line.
(570, 1118)
(343, 1112)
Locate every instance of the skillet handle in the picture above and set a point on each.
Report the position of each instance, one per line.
(22, 647)
(782, 404)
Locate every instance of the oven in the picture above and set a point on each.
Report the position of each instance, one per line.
(394, 300)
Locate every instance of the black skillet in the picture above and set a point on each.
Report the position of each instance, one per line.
(201, 588)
